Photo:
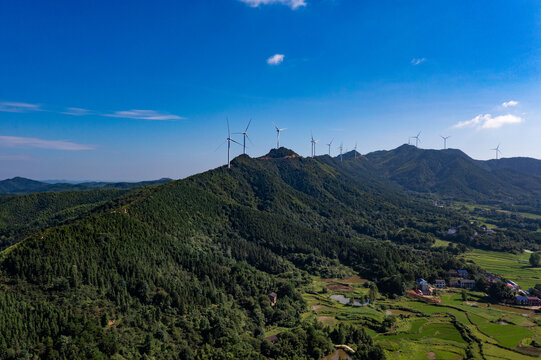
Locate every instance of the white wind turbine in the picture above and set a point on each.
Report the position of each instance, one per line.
(245, 136)
(278, 131)
(498, 152)
(314, 142)
(445, 141)
(417, 139)
(228, 141)
(329, 145)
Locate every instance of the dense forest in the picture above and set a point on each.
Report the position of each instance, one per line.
(184, 270)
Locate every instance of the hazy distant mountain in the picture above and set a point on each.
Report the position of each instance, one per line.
(452, 173)
(19, 185)
(519, 164)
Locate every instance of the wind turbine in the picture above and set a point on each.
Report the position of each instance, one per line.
(245, 136)
(329, 145)
(445, 141)
(278, 131)
(417, 140)
(228, 140)
(341, 147)
(314, 142)
(497, 149)
(355, 150)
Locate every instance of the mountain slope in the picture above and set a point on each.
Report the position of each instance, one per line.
(521, 165)
(451, 173)
(184, 269)
(19, 185)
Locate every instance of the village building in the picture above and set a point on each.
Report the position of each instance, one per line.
(273, 298)
(466, 284)
(534, 301)
(451, 231)
(463, 273)
(424, 287)
(454, 283)
(452, 273)
(440, 284)
(521, 300)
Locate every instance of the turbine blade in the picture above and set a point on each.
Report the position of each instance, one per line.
(250, 140)
(249, 122)
(222, 144)
(236, 142)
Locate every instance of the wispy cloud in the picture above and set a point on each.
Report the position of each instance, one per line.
(18, 107)
(294, 4)
(510, 103)
(28, 142)
(144, 115)
(14, 157)
(76, 111)
(417, 61)
(487, 121)
(276, 59)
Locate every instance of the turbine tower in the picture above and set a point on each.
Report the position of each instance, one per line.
(314, 142)
(245, 136)
(278, 131)
(329, 145)
(445, 141)
(341, 147)
(228, 141)
(497, 149)
(417, 139)
(355, 150)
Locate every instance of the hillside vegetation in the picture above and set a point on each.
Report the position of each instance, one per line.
(184, 269)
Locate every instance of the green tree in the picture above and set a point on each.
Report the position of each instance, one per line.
(535, 259)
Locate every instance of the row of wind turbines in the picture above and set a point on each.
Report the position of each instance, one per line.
(314, 142)
(418, 140)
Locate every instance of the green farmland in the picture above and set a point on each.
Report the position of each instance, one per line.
(452, 329)
(511, 266)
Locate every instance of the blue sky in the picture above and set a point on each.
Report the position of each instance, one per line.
(133, 90)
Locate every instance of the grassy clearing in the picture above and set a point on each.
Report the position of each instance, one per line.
(511, 266)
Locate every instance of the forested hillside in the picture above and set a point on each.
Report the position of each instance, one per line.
(184, 270)
(453, 174)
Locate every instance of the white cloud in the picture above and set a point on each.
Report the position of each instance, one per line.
(294, 4)
(144, 115)
(27, 142)
(486, 121)
(510, 103)
(17, 107)
(417, 61)
(275, 59)
(76, 111)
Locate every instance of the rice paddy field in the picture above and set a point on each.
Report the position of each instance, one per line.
(511, 266)
(452, 329)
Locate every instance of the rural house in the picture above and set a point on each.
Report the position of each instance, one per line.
(533, 301)
(463, 273)
(466, 284)
(521, 300)
(440, 284)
